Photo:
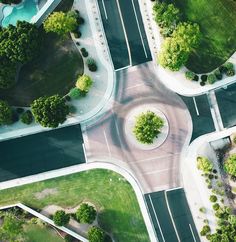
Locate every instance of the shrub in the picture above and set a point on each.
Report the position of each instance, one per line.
(60, 218)
(205, 230)
(213, 198)
(84, 52)
(204, 164)
(27, 117)
(218, 74)
(84, 83)
(6, 113)
(204, 78)
(86, 213)
(222, 69)
(202, 83)
(147, 127)
(230, 165)
(229, 66)
(211, 79)
(196, 78)
(209, 186)
(75, 93)
(189, 75)
(91, 64)
(96, 234)
(216, 206)
(210, 176)
(230, 72)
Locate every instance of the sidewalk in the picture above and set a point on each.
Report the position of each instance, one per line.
(175, 81)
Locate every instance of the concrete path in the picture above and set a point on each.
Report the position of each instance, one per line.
(157, 169)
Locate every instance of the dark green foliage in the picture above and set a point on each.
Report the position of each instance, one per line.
(96, 234)
(205, 230)
(20, 43)
(76, 93)
(19, 110)
(204, 78)
(216, 206)
(86, 213)
(69, 238)
(213, 198)
(27, 117)
(50, 111)
(10, 1)
(91, 63)
(196, 78)
(84, 52)
(60, 218)
(7, 73)
(147, 127)
(6, 113)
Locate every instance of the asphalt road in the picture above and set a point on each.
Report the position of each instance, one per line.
(226, 99)
(41, 152)
(125, 32)
(157, 169)
(171, 216)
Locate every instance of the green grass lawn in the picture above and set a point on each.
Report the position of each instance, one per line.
(54, 71)
(114, 197)
(35, 233)
(217, 20)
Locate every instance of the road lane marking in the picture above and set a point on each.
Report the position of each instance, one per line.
(109, 151)
(192, 233)
(122, 68)
(139, 30)
(104, 7)
(159, 226)
(171, 217)
(195, 105)
(123, 26)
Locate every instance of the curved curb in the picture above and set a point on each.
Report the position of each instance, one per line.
(89, 166)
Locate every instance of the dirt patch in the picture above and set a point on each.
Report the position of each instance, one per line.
(46, 192)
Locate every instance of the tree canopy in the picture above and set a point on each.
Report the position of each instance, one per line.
(5, 113)
(96, 234)
(60, 23)
(147, 127)
(230, 165)
(204, 164)
(20, 43)
(86, 213)
(50, 111)
(60, 218)
(84, 83)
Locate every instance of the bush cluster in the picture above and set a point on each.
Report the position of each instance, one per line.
(84, 52)
(60, 218)
(91, 63)
(86, 213)
(27, 117)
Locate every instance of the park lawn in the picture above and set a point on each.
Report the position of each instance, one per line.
(119, 212)
(217, 20)
(54, 71)
(35, 233)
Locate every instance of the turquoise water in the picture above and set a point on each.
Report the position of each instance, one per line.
(24, 11)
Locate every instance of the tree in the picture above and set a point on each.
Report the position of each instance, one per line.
(50, 111)
(204, 164)
(60, 218)
(166, 15)
(6, 113)
(230, 165)
(187, 35)
(171, 55)
(27, 117)
(60, 23)
(7, 73)
(147, 127)
(86, 213)
(20, 43)
(84, 83)
(11, 229)
(95, 234)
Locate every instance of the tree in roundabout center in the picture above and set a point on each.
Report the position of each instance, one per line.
(20, 43)
(230, 165)
(60, 23)
(50, 111)
(5, 113)
(147, 127)
(86, 213)
(96, 234)
(60, 218)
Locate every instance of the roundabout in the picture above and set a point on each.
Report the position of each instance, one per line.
(129, 124)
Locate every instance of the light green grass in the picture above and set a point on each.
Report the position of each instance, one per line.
(112, 195)
(217, 20)
(35, 233)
